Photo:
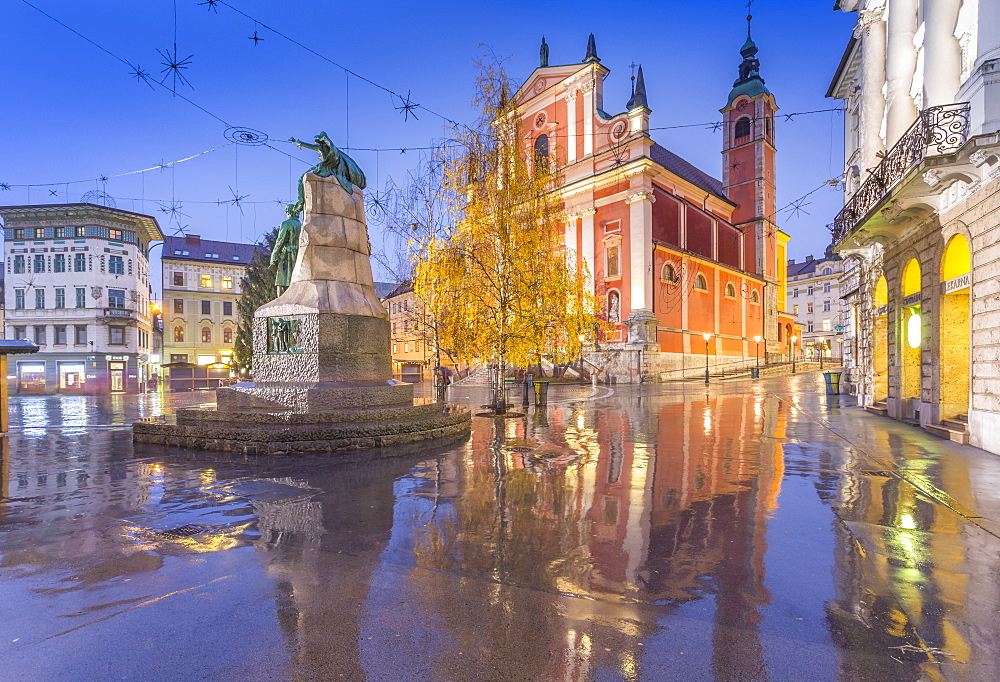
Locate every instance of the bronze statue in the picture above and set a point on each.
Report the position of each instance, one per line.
(543, 53)
(332, 162)
(286, 248)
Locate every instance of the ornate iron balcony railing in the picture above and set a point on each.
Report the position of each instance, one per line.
(937, 131)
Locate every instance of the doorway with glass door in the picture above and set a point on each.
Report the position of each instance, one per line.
(116, 370)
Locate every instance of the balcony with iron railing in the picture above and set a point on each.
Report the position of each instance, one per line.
(938, 131)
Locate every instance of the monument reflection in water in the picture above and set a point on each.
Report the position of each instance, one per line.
(322, 367)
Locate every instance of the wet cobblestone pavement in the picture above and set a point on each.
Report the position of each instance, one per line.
(747, 531)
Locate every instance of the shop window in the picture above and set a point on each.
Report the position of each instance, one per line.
(178, 334)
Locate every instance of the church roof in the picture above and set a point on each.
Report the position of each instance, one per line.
(679, 166)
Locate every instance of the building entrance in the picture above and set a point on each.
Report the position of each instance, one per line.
(116, 370)
(953, 326)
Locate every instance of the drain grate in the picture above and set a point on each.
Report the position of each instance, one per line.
(520, 448)
(878, 474)
(185, 531)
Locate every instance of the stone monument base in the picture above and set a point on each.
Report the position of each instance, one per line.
(251, 431)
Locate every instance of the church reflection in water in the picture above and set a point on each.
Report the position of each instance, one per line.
(720, 532)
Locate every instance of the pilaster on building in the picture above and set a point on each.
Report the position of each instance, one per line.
(672, 253)
(921, 93)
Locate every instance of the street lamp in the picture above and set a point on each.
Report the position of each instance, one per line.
(582, 338)
(757, 339)
(794, 339)
(707, 337)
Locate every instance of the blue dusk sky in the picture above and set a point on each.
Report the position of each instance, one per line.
(74, 110)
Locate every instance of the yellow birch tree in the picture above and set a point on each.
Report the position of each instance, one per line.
(511, 292)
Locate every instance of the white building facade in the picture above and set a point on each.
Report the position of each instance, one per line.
(920, 83)
(814, 296)
(77, 284)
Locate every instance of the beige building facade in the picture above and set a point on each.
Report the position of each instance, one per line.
(413, 357)
(814, 296)
(921, 221)
(202, 281)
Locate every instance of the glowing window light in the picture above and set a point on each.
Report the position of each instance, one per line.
(913, 329)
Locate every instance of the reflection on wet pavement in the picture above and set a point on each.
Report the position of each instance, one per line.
(754, 531)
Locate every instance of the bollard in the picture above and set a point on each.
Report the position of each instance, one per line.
(541, 393)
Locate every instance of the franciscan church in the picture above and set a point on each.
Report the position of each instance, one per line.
(685, 267)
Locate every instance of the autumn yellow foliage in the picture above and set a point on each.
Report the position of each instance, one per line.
(504, 289)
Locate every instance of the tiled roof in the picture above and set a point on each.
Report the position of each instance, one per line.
(208, 250)
(385, 289)
(398, 290)
(679, 166)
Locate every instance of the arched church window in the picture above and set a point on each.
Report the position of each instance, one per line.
(730, 290)
(769, 127)
(542, 150)
(668, 273)
(743, 127)
(701, 283)
(754, 298)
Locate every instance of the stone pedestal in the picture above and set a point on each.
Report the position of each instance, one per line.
(321, 356)
(642, 325)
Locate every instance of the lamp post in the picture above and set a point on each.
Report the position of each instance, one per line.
(822, 352)
(794, 339)
(582, 338)
(707, 337)
(757, 339)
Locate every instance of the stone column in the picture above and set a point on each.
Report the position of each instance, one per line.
(942, 53)
(640, 204)
(901, 64)
(571, 131)
(871, 31)
(588, 117)
(587, 247)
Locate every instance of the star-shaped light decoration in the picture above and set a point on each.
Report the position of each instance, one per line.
(52, 193)
(407, 106)
(173, 66)
(798, 208)
(140, 74)
(4, 186)
(173, 210)
(255, 38)
(104, 178)
(237, 199)
(715, 126)
(376, 202)
(213, 5)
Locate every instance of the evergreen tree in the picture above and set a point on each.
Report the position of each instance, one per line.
(257, 288)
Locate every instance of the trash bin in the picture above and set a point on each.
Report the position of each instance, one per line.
(541, 392)
(832, 382)
(755, 372)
